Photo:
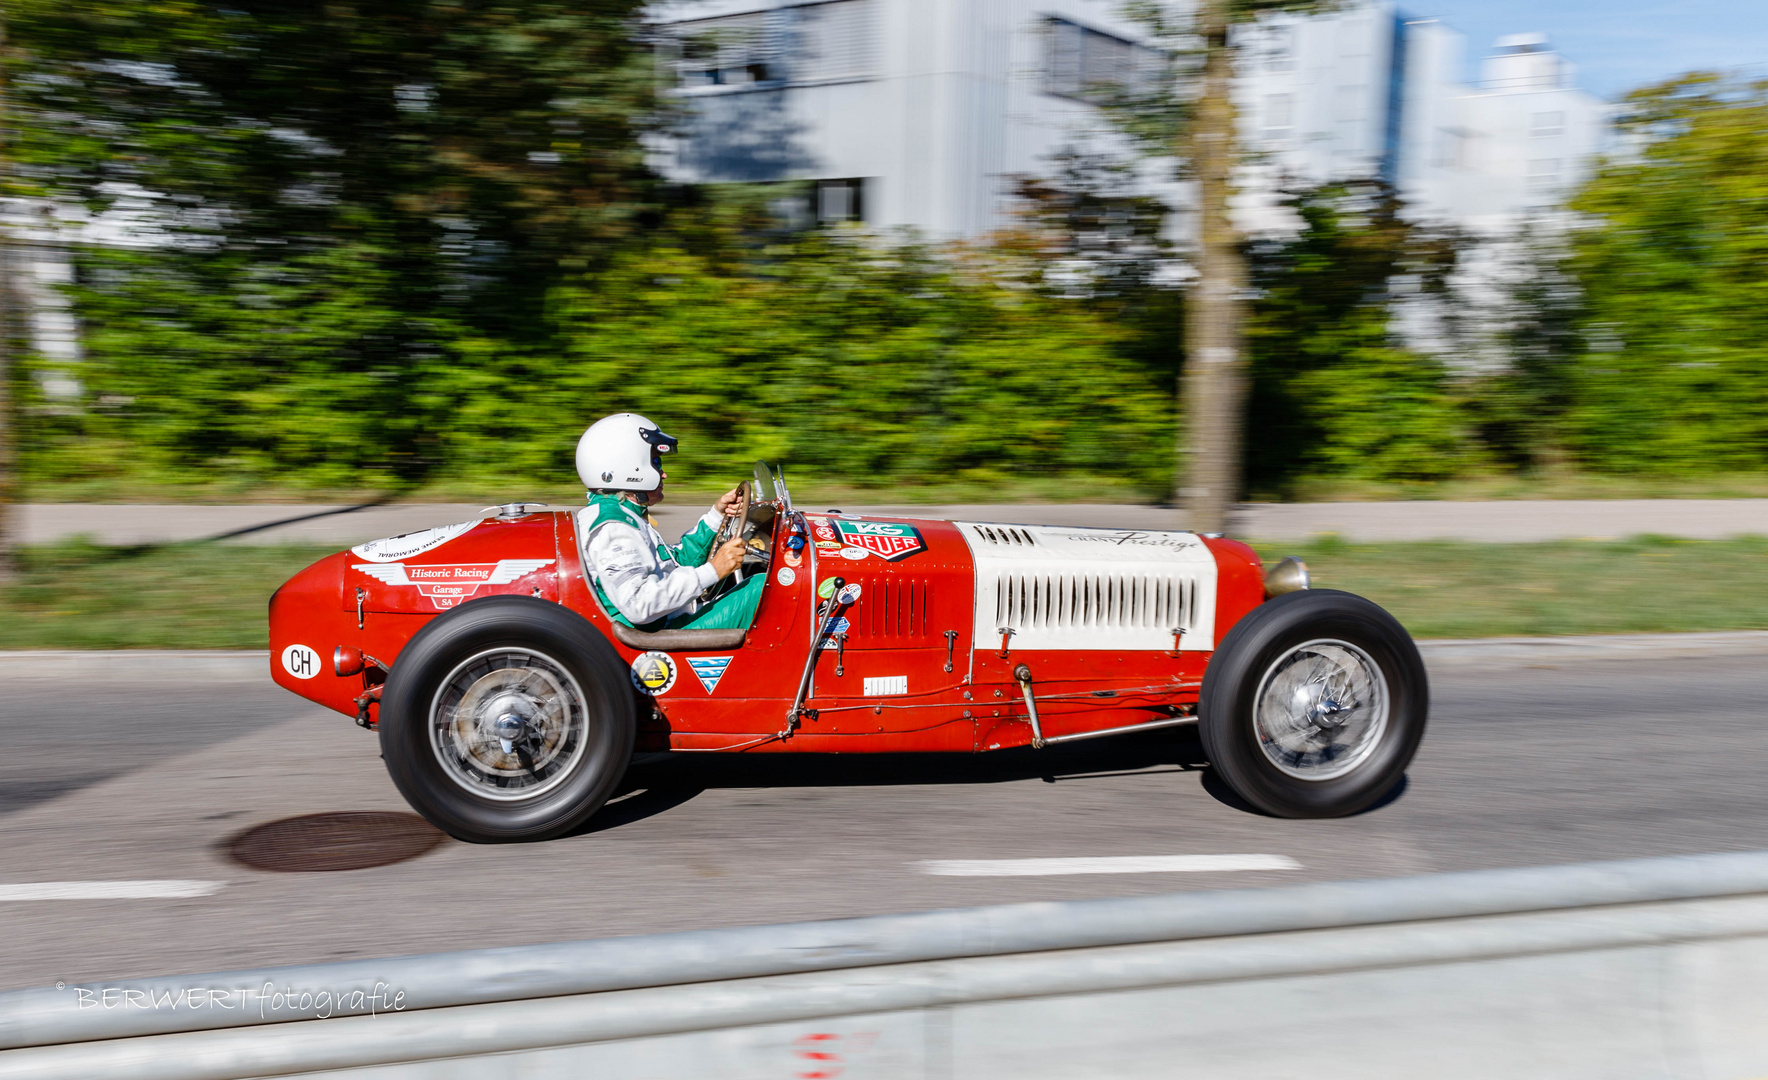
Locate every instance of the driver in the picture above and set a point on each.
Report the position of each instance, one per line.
(641, 581)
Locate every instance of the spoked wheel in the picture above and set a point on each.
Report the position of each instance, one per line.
(1314, 704)
(509, 724)
(508, 718)
(1320, 709)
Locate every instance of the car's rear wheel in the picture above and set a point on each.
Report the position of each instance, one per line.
(1314, 705)
(508, 718)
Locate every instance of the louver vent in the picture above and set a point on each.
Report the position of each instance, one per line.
(1088, 601)
(894, 608)
(1005, 535)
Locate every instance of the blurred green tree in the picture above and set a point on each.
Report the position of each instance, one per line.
(327, 198)
(1333, 392)
(1670, 372)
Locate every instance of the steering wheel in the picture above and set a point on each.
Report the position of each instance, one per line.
(737, 524)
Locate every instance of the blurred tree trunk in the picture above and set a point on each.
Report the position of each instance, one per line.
(1213, 395)
(8, 322)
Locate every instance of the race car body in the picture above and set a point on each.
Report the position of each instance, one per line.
(508, 700)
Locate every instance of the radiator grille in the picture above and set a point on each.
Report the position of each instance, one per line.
(1081, 601)
(895, 607)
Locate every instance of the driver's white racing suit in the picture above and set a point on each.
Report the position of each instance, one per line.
(639, 578)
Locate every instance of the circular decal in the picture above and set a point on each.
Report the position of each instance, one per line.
(400, 548)
(653, 672)
(854, 553)
(849, 593)
(786, 576)
(300, 661)
(827, 588)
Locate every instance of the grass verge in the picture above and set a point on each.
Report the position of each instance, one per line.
(1645, 584)
(174, 596)
(213, 596)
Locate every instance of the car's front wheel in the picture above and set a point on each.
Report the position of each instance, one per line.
(509, 718)
(1313, 705)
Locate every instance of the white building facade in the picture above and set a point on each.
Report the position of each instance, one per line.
(1369, 92)
(922, 113)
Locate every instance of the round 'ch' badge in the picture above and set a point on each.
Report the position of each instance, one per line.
(653, 672)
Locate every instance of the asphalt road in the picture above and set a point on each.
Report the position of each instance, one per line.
(119, 780)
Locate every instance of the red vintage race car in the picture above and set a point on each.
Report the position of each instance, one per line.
(509, 703)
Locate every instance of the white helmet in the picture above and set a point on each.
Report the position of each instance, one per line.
(620, 452)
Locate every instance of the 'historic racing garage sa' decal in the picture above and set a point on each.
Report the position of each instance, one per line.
(448, 584)
(886, 539)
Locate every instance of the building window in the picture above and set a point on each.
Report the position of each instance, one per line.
(836, 40)
(731, 51)
(802, 43)
(1547, 125)
(1543, 174)
(1091, 66)
(839, 200)
(1279, 116)
(1279, 48)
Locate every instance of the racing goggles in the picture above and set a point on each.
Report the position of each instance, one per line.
(660, 444)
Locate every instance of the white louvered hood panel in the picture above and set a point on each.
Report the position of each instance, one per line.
(1071, 588)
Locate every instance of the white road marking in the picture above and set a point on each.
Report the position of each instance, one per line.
(1116, 864)
(107, 890)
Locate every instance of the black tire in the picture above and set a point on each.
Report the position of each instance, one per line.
(516, 656)
(1267, 759)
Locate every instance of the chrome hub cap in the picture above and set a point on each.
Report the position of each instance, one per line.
(1320, 709)
(509, 724)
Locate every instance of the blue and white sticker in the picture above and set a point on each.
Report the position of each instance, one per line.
(709, 669)
(839, 626)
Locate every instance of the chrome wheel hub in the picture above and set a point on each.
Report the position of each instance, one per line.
(509, 724)
(1320, 709)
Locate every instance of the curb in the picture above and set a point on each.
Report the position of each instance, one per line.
(150, 664)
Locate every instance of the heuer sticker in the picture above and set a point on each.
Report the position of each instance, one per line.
(653, 672)
(400, 548)
(886, 539)
(300, 661)
(448, 584)
(709, 669)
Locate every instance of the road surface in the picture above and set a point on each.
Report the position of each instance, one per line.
(141, 777)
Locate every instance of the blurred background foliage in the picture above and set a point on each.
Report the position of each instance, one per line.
(414, 245)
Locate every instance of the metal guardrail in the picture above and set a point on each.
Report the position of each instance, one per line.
(1000, 990)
